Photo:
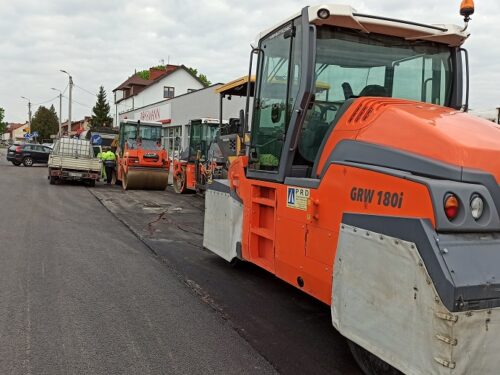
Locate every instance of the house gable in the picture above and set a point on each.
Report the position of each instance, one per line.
(172, 83)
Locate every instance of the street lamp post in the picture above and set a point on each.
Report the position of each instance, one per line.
(70, 99)
(60, 111)
(29, 113)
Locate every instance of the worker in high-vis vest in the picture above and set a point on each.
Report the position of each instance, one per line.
(100, 156)
(109, 160)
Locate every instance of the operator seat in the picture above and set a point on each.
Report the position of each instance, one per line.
(374, 90)
(131, 144)
(311, 138)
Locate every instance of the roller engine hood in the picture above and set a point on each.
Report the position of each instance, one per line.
(427, 130)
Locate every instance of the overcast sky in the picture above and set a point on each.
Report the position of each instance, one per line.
(104, 41)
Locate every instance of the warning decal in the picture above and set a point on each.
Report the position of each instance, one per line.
(297, 198)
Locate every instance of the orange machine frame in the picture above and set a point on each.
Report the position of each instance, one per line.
(135, 158)
(299, 246)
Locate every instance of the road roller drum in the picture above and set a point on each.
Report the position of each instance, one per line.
(145, 179)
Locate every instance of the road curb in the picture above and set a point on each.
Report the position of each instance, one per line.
(125, 223)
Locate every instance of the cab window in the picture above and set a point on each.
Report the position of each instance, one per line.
(351, 65)
(277, 87)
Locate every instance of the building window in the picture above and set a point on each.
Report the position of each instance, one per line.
(168, 92)
(192, 90)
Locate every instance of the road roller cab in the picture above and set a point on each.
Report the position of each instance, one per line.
(202, 160)
(142, 162)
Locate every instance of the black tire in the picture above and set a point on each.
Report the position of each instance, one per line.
(16, 163)
(28, 161)
(236, 263)
(370, 363)
(91, 183)
(179, 182)
(52, 180)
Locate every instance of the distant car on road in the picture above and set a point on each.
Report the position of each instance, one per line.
(28, 154)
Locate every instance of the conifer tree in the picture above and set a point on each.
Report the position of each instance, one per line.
(100, 111)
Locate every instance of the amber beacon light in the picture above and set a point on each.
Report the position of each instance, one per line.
(467, 9)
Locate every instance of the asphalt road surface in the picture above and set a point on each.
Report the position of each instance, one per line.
(80, 294)
(104, 281)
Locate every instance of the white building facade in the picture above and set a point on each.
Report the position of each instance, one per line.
(166, 83)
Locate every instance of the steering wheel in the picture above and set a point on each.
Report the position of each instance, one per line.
(324, 107)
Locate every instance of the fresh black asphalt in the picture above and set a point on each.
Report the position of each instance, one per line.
(292, 330)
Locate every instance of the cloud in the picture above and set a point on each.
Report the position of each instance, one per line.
(103, 42)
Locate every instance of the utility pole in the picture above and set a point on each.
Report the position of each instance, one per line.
(70, 99)
(60, 111)
(116, 112)
(29, 113)
(29, 117)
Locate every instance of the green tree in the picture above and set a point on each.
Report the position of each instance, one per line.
(101, 109)
(3, 125)
(202, 77)
(45, 122)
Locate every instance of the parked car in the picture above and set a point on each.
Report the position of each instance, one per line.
(28, 154)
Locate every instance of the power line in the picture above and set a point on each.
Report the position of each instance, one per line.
(46, 101)
(64, 91)
(74, 101)
(87, 91)
(84, 105)
(51, 100)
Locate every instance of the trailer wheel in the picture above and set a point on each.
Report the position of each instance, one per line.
(179, 182)
(370, 363)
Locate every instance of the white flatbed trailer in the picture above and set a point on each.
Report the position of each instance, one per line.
(74, 159)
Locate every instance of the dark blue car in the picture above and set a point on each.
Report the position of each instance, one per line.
(28, 154)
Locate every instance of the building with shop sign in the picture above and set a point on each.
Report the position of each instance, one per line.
(172, 96)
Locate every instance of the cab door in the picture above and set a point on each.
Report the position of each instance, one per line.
(29, 150)
(278, 80)
(38, 154)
